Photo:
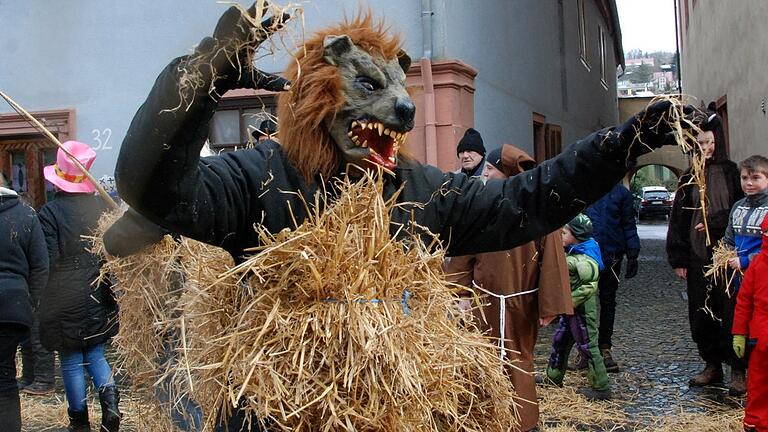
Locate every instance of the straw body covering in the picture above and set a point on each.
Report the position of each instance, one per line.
(334, 325)
(65, 175)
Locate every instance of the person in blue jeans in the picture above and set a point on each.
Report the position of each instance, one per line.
(77, 313)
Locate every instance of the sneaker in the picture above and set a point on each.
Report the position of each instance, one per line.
(610, 364)
(38, 389)
(738, 385)
(712, 374)
(595, 395)
(579, 363)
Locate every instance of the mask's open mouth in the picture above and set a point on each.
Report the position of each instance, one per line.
(381, 142)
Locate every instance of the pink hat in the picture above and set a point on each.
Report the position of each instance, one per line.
(65, 174)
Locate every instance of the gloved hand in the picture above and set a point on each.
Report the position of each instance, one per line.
(228, 52)
(631, 264)
(649, 129)
(739, 345)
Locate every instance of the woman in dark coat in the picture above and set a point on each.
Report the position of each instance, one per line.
(688, 254)
(77, 316)
(23, 272)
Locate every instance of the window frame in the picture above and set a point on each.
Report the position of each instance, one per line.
(582, 18)
(264, 101)
(603, 62)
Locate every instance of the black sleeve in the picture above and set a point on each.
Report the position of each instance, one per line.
(131, 233)
(679, 230)
(503, 214)
(37, 253)
(628, 225)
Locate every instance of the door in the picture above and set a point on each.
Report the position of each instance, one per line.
(22, 161)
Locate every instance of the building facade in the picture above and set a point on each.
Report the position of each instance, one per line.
(535, 73)
(723, 47)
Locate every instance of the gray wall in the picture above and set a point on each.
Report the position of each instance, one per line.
(515, 46)
(101, 58)
(723, 52)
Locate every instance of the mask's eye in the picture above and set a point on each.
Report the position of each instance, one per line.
(367, 83)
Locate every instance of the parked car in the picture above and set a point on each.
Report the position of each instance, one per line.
(653, 201)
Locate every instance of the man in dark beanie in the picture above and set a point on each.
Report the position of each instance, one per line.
(471, 153)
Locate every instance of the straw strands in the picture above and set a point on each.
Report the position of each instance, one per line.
(719, 271)
(335, 325)
(685, 130)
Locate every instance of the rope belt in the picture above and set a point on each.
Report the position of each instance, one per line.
(502, 313)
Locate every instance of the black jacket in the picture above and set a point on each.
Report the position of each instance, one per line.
(23, 259)
(218, 199)
(686, 247)
(74, 312)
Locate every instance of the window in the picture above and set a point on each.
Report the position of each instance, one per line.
(582, 34)
(236, 118)
(603, 63)
(553, 140)
(539, 142)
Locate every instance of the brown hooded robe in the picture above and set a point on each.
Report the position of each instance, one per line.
(538, 264)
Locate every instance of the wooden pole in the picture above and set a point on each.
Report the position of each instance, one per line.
(24, 113)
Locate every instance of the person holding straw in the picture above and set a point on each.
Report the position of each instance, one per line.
(690, 242)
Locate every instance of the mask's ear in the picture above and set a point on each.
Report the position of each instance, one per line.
(404, 59)
(335, 47)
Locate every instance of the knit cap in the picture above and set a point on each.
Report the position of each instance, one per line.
(581, 227)
(471, 141)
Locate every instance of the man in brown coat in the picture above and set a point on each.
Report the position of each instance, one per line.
(531, 280)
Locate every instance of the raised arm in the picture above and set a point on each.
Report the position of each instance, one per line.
(504, 214)
(159, 171)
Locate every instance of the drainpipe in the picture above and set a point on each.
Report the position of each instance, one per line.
(430, 121)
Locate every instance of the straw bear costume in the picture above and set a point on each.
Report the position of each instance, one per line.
(348, 107)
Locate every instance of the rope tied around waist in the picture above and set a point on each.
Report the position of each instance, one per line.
(502, 313)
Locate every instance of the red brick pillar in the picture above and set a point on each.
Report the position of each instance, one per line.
(454, 91)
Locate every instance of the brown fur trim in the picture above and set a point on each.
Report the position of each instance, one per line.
(315, 94)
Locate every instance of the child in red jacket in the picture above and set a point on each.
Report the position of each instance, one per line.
(751, 321)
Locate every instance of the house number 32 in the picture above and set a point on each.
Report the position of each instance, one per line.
(102, 136)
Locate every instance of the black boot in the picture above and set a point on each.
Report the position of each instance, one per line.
(10, 420)
(109, 398)
(78, 421)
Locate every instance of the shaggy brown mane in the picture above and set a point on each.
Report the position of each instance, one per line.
(316, 94)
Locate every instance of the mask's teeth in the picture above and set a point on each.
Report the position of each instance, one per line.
(392, 159)
(349, 134)
(365, 144)
(381, 128)
(354, 123)
(387, 131)
(370, 126)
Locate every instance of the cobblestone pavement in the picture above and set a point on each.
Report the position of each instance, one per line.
(652, 340)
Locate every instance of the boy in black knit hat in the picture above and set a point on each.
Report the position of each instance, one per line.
(471, 153)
